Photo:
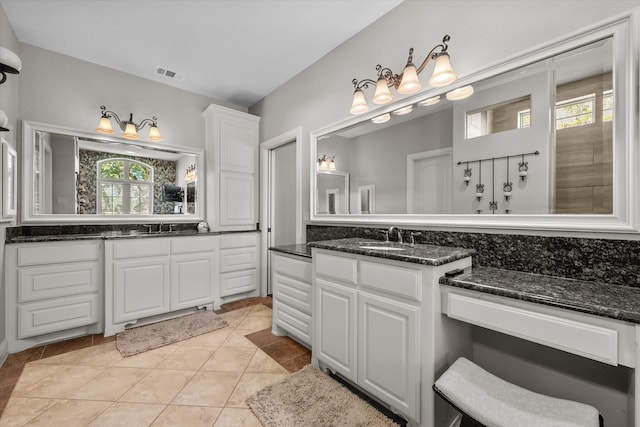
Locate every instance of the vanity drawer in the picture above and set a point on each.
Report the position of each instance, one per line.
(51, 281)
(336, 267)
(296, 268)
(585, 339)
(238, 240)
(54, 315)
(292, 292)
(141, 248)
(39, 254)
(238, 282)
(187, 245)
(390, 279)
(238, 259)
(295, 322)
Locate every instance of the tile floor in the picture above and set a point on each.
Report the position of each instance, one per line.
(203, 381)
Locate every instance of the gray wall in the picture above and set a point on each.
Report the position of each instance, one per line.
(482, 33)
(9, 103)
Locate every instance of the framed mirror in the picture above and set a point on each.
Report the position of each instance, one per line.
(546, 141)
(332, 192)
(9, 174)
(76, 176)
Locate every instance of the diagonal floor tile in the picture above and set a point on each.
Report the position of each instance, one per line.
(249, 384)
(235, 417)
(159, 386)
(53, 381)
(69, 413)
(128, 415)
(229, 359)
(192, 416)
(190, 358)
(20, 410)
(208, 389)
(110, 384)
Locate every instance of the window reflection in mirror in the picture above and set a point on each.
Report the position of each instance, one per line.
(560, 107)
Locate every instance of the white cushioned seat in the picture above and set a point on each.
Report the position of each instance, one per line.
(497, 403)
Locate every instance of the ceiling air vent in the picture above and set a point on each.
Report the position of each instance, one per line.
(162, 71)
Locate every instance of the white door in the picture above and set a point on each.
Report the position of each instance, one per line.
(141, 288)
(283, 195)
(429, 182)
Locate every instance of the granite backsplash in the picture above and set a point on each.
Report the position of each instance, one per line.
(615, 262)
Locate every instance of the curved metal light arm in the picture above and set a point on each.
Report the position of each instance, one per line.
(432, 53)
(123, 123)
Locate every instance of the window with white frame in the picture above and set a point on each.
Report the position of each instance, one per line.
(125, 187)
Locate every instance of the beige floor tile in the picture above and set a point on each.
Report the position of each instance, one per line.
(111, 384)
(234, 417)
(254, 324)
(261, 310)
(208, 389)
(69, 413)
(20, 410)
(189, 358)
(159, 386)
(99, 355)
(237, 339)
(60, 381)
(229, 359)
(121, 414)
(149, 359)
(262, 363)
(212, 340)
(249, 384)
(191, 416)
(233, 318)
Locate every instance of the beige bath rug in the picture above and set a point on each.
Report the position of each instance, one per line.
(147, 337)
(311, 398)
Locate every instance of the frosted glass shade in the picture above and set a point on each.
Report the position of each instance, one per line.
(430, 101)
(382, 119)
(409, 83)
(359, 104)
(443, 73)
(154, 134)
(3, 121)
(9, 61)
(130, 131)
(460, 93)
(383, 94)
(105, 126)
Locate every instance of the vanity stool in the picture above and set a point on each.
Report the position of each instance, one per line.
(486, 400)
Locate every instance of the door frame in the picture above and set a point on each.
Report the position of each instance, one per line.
(291, 136)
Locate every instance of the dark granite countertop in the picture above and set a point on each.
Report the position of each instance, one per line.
(109, 235)
(299, 249)
(418, 254)
(613, 301)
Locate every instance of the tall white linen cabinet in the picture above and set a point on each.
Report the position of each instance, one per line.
(232, 169)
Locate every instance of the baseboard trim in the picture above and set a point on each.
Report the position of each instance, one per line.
(4, 351)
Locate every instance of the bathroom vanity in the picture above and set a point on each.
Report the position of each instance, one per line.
(377, 320)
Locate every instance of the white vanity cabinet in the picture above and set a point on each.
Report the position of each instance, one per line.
(377, 323)
(292, 296)
(53, 291)
(154, 276)
(232, 168)
(238, 265)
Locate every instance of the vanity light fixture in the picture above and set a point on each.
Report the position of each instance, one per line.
(3, 122)
(429, 101)
(460, 93)
(384, 118)
(190, 175)
(9, 63)
(404, 110)
(407, 82)
(128, 126)
(327, 163)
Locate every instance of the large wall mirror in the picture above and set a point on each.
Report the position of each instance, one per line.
(75, 176)
(547, 140)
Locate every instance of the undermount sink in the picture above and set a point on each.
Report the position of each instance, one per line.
(382, 246)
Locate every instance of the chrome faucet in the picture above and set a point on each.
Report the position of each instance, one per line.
(394, 229)
(160, 227)
(412, 237)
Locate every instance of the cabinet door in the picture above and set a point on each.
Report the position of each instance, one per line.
(388, 352)
(192, 280)
(334, 339)
(140, 288)
(238, 144)
(237, 196)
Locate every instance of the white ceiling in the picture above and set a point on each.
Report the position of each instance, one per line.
(236, 51)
